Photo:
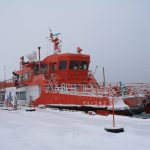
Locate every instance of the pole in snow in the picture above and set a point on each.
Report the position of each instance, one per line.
(113, 112)
(114, 129)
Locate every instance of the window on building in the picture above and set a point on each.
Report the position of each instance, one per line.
(74, 64)
(84, 65)
(23, 95)
(62, 65)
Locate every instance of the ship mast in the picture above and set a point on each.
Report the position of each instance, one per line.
(55, 39)
(104, 82)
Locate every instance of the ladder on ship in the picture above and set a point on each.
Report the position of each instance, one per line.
(51, 80)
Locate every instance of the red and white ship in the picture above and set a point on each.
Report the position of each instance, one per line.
(145, 89)
(63, 80)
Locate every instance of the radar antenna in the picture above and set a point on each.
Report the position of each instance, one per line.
(56, 40)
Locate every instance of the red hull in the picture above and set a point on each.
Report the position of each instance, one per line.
(134, 101)
(66, 99)
(147, 108)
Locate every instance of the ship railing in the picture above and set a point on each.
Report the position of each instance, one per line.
(92, 90)
(141, 88)
(139, 85)
(134, 89)
(6, 83)
(81, 89)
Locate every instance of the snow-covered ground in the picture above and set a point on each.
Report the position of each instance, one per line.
(47, 129)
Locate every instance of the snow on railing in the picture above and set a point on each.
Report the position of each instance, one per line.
(81, 89)
(6, 83)
(109, 90)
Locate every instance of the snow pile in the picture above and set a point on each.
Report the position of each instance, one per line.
(47, 129)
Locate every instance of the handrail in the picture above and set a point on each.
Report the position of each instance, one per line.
(81, 89)
(89, 89)
(7, 83)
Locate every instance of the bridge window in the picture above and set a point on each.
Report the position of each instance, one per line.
(74, 64)
(62, 65)
(36, 69)
(84, 65)
(25, 76)
(54, 66)
(44, 68)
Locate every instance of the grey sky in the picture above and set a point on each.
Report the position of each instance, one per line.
(116, 33)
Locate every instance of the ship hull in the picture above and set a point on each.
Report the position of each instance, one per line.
(68, 99)
(147, 104)
(128, 111)
(134, 101)
(100, 105)
(147, 108)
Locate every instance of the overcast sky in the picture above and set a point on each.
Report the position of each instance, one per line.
(116, 33)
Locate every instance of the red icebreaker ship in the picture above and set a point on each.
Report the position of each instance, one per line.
(63, 80)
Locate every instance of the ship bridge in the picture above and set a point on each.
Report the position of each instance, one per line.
(69, 68)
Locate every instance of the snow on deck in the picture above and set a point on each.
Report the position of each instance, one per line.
(47, 129)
